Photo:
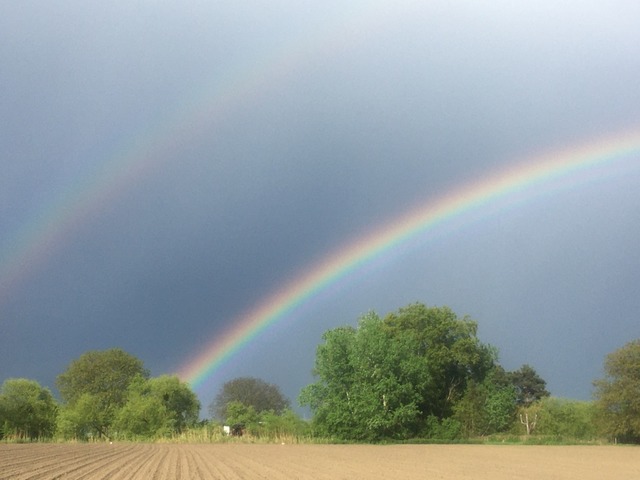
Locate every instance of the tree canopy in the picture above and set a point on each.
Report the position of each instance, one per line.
(95, 386)
(109, 393)
(395, 377)
(530, 387)
(251, 392)
(27, 410)
(157, 407)
(105, 374)
(618, 393)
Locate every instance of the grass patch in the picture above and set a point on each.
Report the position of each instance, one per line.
(560, 440)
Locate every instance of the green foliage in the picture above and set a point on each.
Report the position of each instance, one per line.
(287, 424)
(331, 398)
(386, 378)
(143, 416)
(267, 424)
(27, 410)
(249, 391)
(84, 420)
(242, 415)
(618, 393)
(487, 407)
(106, 374)
(500, 408)
(567, 419)
(157, 407)
(109, 393)
(96, 385)
(180, 402)
(530, 387)
(368, 389)
(449, 350)
(443, 430)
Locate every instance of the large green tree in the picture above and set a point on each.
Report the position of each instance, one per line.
(618, 393)
(391, 377)
(367, 388)
(94, 387)
(181, 402)
(249, 391)
(85, 418)
(27, 410)
(159, 406)
(449, 347)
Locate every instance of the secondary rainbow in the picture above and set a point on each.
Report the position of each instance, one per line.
(24, 248)
(574, 166)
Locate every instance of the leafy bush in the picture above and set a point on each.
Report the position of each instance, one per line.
(447, 429)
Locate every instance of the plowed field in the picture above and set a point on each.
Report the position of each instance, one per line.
(243, 461)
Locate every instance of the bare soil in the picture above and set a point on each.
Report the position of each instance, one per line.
(246, 461)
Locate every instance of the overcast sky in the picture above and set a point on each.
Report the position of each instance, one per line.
(166, 166)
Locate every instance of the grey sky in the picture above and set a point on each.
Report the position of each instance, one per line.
(277, 132)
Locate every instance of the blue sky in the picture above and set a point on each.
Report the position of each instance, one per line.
(271, 135)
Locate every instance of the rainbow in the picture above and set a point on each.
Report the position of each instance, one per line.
(545, 173)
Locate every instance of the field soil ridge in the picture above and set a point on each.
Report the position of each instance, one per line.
(138, 461)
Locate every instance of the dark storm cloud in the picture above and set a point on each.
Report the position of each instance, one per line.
(338, 119)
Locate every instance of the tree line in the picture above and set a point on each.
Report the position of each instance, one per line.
(105, 394)
(109, 395)
(422, 373)
(418, 373)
